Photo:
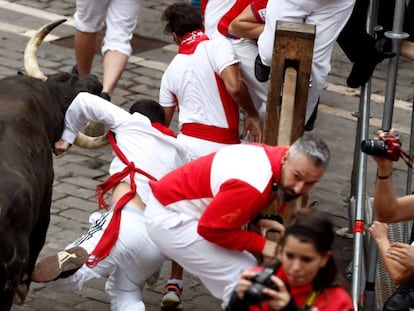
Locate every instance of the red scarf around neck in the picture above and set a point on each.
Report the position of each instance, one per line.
(190, 40)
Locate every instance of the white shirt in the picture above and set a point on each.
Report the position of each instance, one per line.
(150, 150)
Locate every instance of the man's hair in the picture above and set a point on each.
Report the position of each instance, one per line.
(313, 147)
(149, 108)
(181, 18)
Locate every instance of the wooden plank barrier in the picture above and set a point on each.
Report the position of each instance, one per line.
(288, 93)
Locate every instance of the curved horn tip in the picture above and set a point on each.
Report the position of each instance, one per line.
(54, 24)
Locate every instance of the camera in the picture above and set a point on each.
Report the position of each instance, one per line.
(254, 294)
(387, 146)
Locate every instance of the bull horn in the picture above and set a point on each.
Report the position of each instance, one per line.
(89, 142)
(30, 53)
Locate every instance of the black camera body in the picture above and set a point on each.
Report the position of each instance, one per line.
(254, 294)
(387, 146)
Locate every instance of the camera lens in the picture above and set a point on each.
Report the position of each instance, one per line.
(374, 147)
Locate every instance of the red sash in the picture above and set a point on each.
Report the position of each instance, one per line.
(110, 236)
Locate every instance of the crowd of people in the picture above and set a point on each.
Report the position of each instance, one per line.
(191, 197)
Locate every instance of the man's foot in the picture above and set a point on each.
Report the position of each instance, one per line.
(63, 263)
(172, 297)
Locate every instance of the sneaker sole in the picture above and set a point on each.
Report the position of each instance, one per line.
(51, 267)
(173, 307)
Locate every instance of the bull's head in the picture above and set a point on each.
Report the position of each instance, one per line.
(68, 85)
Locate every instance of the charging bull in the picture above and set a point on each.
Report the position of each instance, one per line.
(32, 110)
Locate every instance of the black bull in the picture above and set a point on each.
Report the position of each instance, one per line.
(31, 121)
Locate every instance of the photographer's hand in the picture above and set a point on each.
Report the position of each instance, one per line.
(383, 163)
(244, 283)
(279, 298)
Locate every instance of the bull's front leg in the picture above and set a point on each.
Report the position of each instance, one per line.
(37, 241)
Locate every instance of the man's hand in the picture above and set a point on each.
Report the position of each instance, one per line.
(384, 164)
(61, 146)
(379, 231)
(266, 225)
(252, 125)
(403, 254)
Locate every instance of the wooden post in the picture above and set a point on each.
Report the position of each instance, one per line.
(288, 92)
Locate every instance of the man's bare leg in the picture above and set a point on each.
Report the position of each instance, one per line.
(114, 64)
(85, 48)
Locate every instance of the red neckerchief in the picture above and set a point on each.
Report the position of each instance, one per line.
(163, 129)
(190, 41)
(110, 236)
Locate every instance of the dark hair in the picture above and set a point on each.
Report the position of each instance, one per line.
(181, 18)
(312, 226)
(149, 108)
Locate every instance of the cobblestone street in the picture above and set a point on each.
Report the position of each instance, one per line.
(79, 171)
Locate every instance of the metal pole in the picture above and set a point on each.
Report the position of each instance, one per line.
(362, 134)
(396, 35)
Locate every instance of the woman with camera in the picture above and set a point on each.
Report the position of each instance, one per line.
(304, 279)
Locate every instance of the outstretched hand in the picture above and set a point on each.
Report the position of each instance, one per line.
(61, 146)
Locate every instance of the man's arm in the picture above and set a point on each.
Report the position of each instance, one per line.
(388, 207)
(247, 24)
(238, 91)
(233, 206)
(398, 273)
(87, 107)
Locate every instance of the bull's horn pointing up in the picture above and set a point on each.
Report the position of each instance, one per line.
(90, 142)
(30, 59)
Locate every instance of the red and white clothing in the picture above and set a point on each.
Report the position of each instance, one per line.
(208, 116)
(246, 51)
(329, 16)
(197, 211)
(134, 257)
(212, 11)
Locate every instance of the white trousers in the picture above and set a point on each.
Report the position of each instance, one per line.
(329, 16)
(133, 259)
(197, 147)
(119, 17)
(246, 51)
(176, 234)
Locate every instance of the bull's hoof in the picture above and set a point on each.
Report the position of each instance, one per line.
(21, 294)
(94, 129)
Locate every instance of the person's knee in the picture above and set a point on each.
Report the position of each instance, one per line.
(121, 46)
(125, 300)
(89, 25)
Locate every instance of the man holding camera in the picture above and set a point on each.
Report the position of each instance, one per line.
(398, 258)
(196, 213)
(388, 207)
